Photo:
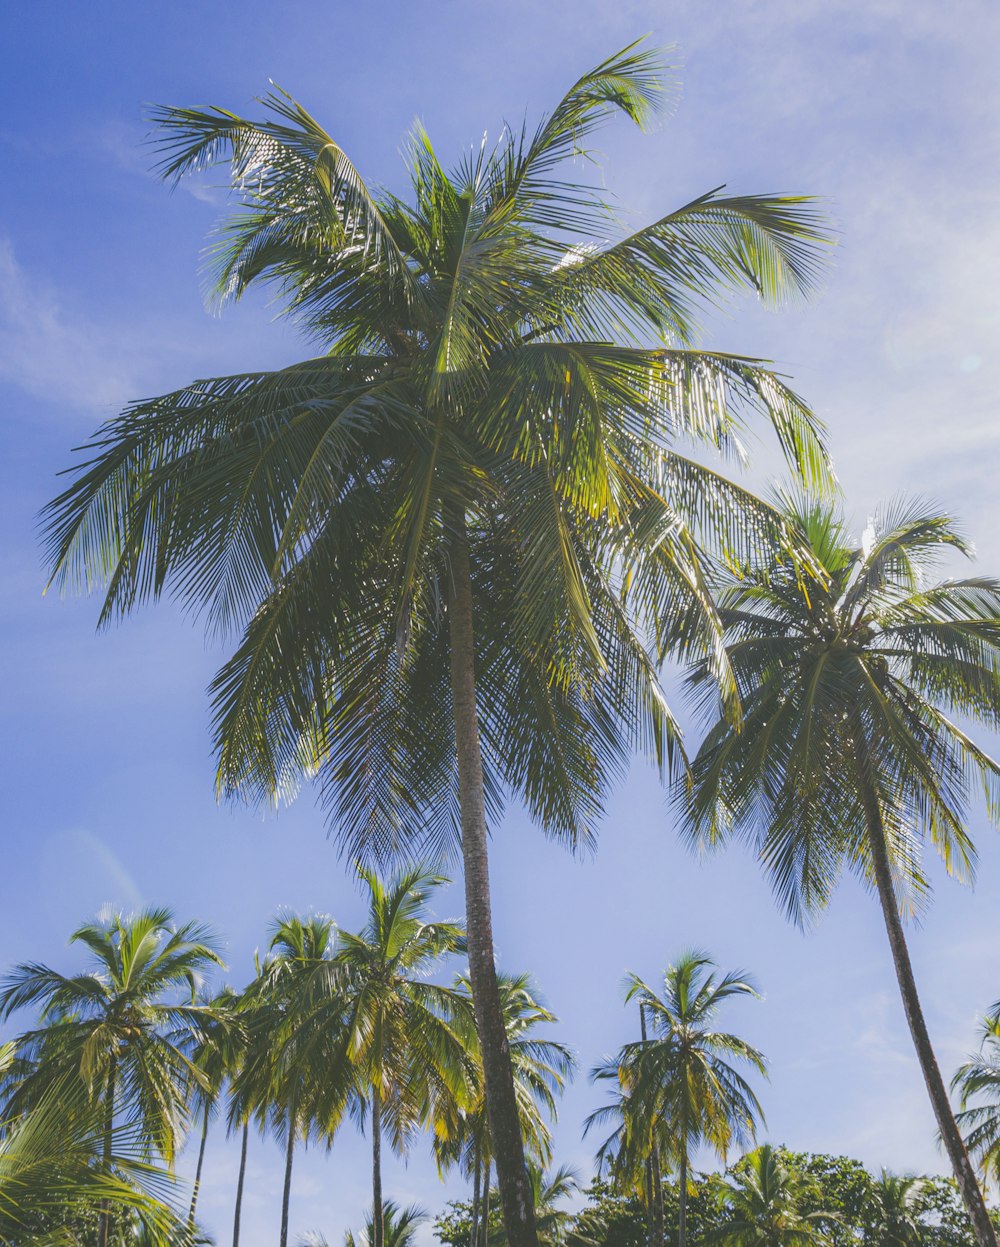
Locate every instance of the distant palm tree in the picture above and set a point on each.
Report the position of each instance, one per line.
(762, 1207)
(447, 538)
(400, 1226)
(398, 1039)
(626, 1153)
(215, 1052)
(548, 1190)
(279, 1083)
(682, 1089)
(849, 752)
(978, 1082)
(892, 1211)
(541, 1067)
(123, 1027)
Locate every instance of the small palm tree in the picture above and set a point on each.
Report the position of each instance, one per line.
(214, 1053)
(123, 1027)
(447, 537)
(541, 1067)
(280, 1083)
(405, 1055)
(892, 1211)
(978, 1083)
(680, 1087)
(848, 753)
(548, 1191)
(763, 1207)
(399, 1227)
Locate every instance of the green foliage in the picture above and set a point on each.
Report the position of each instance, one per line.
(833, 1195)
(849, 680)
(486, 368)
(124, 1028)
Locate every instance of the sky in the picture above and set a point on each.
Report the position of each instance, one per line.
(887, 109)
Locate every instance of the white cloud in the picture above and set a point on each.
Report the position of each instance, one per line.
(53, 351)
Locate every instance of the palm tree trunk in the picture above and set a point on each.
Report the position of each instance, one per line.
(286, 1193)
(378, 1223)
(682, 1198)
(501, 1103)
(239, 1185)
(104, 1221)
(197, 1173)
(477, 1180)
(965, 1176)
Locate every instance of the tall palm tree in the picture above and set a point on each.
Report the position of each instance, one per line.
(978, 1084)
(240, 1108)
(404, 1054)
(763, 1207)
(626, 1153)
(847, 753)
(445, 538)
(683, 1090)
(892, 1211)
(540, 1066)
(279, 1084)
(123, 1026)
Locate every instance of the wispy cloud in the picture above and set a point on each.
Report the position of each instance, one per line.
(51, 350)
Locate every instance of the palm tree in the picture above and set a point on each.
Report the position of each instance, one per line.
(541, 1068)
(398, 1040)
(682, 1089)
(121, 1027)
(279, 1084)
(400, 1226)
(239, 1111)
(847, 753)
(548, 1190)
(892, 1211)
(763, 1207)
(978, 1082)
(215, 1054)
(445, 539)
(55, 1169)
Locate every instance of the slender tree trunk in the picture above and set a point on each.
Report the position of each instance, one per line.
(477, 1180)
(965, 1176)
(654, 1175)
(104, 1220)
(286, 1193)
(378, 1223)
(501, 1102)
(197, 1173)
(239, 1185)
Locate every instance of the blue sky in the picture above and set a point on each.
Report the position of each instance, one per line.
(883, 107)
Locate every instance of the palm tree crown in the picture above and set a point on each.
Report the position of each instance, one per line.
(763, 1209)
(892, 1210)
(679, 1089)
(849, 752)
(978, 1083)
(126, 1026)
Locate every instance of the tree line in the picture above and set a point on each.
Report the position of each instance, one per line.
(130, 1059)
(457, 546)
